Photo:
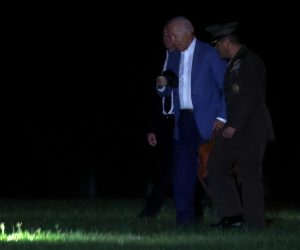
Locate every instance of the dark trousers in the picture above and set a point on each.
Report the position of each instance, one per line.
(248, 155)
(185, 168)
(161, 171)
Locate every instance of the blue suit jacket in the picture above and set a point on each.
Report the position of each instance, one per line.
(207, 76)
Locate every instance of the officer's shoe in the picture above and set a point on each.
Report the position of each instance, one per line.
(230, 222)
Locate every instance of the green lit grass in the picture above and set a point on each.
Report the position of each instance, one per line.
(112, 224)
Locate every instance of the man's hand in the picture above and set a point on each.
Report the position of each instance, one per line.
(161, 81)
(218, 125)
(151, 138)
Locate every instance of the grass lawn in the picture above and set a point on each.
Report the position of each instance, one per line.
(112, 224)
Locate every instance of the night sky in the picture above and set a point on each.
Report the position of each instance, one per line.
(83, 86)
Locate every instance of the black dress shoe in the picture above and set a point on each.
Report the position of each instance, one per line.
(230, 222)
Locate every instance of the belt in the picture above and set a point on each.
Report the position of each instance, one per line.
(186, 110)
(168, 116)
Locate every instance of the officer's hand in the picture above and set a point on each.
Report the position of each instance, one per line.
(229, 132)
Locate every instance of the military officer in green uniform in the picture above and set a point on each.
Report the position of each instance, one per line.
(243, 139)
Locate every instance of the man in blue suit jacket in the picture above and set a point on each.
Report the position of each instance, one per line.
(199, 108)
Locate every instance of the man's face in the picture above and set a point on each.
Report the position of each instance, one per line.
(221, 47)
(180, 37)
(167, 41)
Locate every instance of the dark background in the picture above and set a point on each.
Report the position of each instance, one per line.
(82, 85)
